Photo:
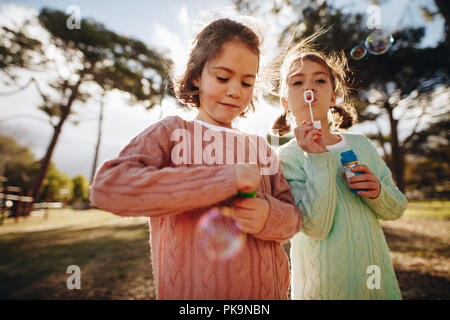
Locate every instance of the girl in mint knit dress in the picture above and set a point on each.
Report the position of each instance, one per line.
(341, 251)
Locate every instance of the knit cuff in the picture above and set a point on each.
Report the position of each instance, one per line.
(282, 223)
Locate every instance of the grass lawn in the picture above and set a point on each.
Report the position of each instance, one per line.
(113, 254)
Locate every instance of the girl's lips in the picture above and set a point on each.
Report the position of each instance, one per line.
(229, 105)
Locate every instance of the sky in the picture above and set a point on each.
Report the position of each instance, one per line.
(167, 26)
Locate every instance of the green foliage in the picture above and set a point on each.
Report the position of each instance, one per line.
(80, 188)
(113, 61)
(16, 48)
(53, 183)
(20, 168)
(16, 163)
(430, 151)
(406, 70)
(95, 56)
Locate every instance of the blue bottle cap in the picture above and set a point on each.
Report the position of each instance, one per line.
(348, 157)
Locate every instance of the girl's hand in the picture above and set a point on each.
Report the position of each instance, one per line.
(251, 214)
(247, 177)
(367, 180)
(309, 138)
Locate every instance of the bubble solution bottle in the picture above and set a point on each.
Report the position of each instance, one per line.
(218, 235)
(349, 160)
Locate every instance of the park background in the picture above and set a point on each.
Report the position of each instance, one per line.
(51, 93)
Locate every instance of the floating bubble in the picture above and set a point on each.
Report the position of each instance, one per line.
(219, 236)
(378, 42)
(358, 52)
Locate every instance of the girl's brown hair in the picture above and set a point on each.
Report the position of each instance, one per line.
(343, 114)
(207, 45)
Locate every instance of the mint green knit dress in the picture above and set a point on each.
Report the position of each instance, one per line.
(341, 251)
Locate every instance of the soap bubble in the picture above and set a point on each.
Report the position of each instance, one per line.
(378, 42)
(219, 236)
(358, 53)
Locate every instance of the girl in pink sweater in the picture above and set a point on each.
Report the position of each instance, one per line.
(175, 170)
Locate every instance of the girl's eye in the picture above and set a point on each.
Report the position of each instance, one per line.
(248, 85)
(321, 81)
(222, 79)
(297, 83)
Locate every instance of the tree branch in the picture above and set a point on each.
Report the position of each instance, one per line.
(3, 94)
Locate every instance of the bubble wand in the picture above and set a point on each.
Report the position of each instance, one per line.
(308, 96)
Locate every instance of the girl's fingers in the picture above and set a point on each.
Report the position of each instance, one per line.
(363, 177)
(364, 185)
(245, 228)
(361, 168)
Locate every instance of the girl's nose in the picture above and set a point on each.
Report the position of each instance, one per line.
(233, 90)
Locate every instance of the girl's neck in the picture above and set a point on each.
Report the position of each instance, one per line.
(212, 122)
(205, 118)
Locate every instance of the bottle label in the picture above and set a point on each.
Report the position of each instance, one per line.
(348, 172)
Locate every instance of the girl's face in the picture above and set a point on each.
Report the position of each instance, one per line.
(309, 75)
(226, 84)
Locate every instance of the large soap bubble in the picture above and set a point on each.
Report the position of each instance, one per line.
(378, 42)
(219, 236)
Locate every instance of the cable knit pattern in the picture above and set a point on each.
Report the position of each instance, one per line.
(341, 234)
(145, 180)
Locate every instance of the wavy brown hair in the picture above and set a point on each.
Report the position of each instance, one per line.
(207, 45)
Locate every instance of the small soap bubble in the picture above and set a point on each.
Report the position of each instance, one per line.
(358, 52)
(378, 42)
(219, 236)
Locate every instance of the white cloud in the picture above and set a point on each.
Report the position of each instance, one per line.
(173, 42)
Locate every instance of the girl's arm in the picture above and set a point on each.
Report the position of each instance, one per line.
(313, 186)
(284, 219)
(391, 203)
(137, 183)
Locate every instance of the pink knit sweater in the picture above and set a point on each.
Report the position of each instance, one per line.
(149, 179)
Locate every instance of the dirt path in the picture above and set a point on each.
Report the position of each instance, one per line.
(420, 252)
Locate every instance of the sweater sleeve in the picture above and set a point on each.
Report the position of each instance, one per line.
(285, 218)
(391, 203)
(139, 183)
(313, 186)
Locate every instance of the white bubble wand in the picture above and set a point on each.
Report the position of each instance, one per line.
(308, 96)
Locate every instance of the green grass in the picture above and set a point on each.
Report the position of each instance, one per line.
(112, 252)
(429, 209)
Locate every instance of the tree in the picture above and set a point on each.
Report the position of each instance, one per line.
(80, 188)
(94, 58)
(18, 165)
(53, 183)
(403, 79)
(15, 162)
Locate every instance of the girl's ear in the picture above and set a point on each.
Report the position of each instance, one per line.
(284, 104)
(195, 82)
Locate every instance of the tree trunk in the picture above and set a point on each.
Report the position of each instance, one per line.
(99, 138)
(397, 154)
(45, 162)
